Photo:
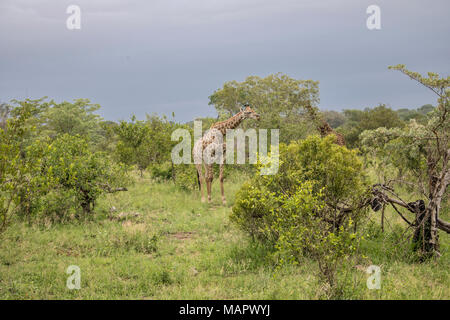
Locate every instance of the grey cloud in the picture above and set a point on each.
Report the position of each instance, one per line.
(163, 56)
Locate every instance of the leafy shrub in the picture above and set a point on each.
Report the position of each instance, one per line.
(45, 170)
(335, 174)
(67, 178)
(14, 169)
(145, 143)
(186, 176)
(161, 172)
(54, 205)
(252, 210)
(309, 207)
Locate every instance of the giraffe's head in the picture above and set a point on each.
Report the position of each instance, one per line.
(249, 113)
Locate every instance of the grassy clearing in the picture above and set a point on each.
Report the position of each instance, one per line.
(179, 248)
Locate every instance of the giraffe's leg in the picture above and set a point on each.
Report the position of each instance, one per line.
(209, 179)
(224, 201)
(201, 179)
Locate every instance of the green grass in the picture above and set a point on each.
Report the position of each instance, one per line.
(179, 248)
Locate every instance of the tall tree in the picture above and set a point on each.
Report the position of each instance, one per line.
(278, 98)
(368, 119)
(74, 118)
(420, 153)
(142, 143)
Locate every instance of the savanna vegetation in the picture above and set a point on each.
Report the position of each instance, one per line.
(76, 189)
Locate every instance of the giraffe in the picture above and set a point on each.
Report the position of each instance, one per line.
(209, 140)
(322, 126)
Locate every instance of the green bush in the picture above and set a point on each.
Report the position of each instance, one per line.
(161, 172)
(66, 178)
(14, 168)
(186, 176)
(183, 175)
(309, 207)
(335, 175)
(252, 210)
(53, 205)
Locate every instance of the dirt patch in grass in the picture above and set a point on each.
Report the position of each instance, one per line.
(182, 235)
(69, 252)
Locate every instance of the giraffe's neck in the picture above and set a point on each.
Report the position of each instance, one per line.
(231, 123)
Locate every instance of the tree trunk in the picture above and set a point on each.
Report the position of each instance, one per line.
(422, 242)
(86, 203)
(426, 235)
(86, 207)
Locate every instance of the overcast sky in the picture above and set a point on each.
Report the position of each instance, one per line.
(138, 57)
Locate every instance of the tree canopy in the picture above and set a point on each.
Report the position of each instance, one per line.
(278, 98)
(419, 154)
